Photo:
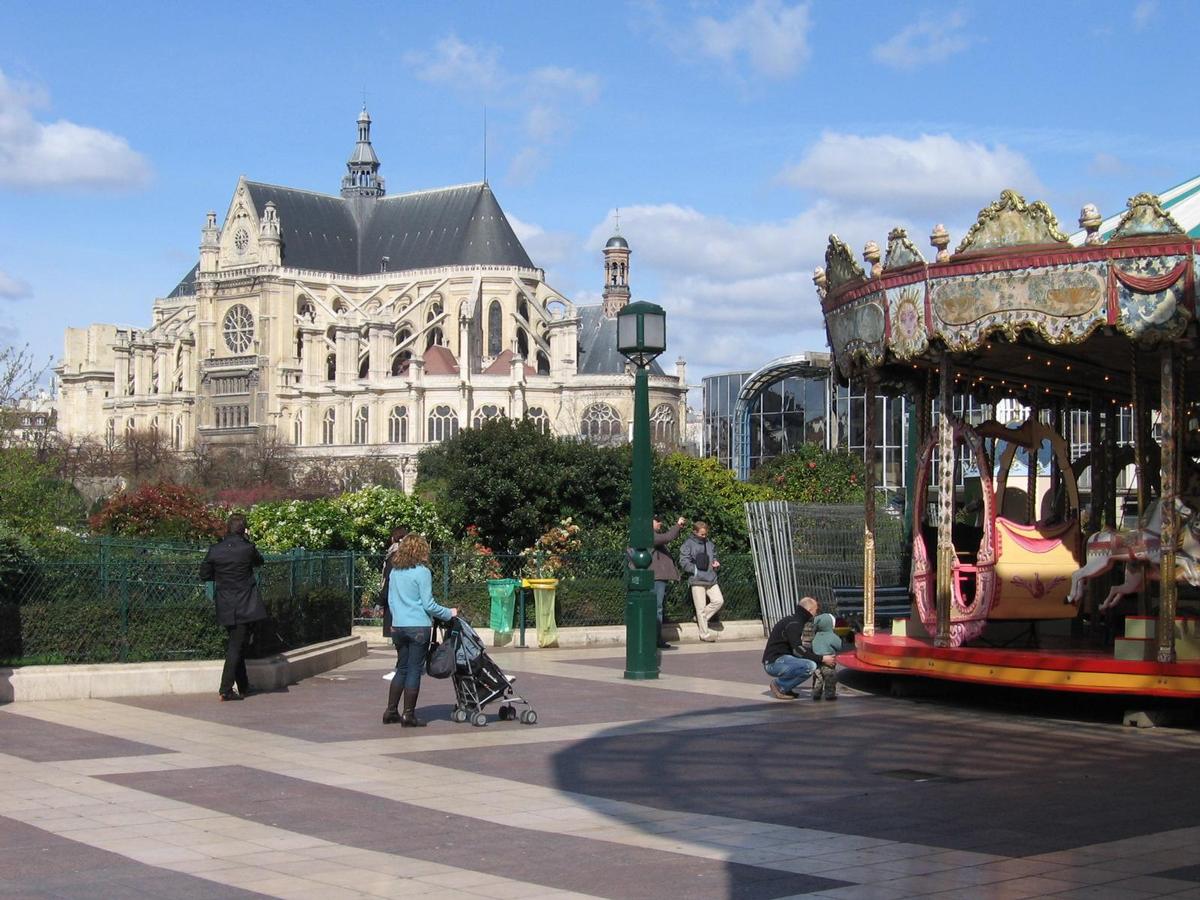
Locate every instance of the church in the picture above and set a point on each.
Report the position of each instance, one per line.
(363, 324)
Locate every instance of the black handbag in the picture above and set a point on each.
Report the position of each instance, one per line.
(440, 661)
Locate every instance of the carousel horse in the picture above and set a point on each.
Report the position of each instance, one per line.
(1141, 551)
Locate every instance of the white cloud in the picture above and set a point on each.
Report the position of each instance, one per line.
(1144, 12)
(547, 249)
(930, 40)
(930, 172)
(60, 154)
(11, 287)
(545, 95)
(768, 36)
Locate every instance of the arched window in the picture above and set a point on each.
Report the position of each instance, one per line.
(523, 308)
(538, 417)
(601, 425)
(298, 429)
(443, 423)
(330, 366)
(523, 343)
(486, 413)
(362, 424)
(495, 329)
(662, 427)
(364, 365)
(110, 432)
(328, 424)
(299, 346)
(177, 434)
(398, 425)
(400, 358)
(543, 363)
(130, 425)
(435, 338)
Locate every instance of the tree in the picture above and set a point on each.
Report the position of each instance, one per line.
(812, 474)
(162, 511)
(19, 374)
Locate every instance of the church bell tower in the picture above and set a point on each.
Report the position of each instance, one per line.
(362, 175)
(616, 274)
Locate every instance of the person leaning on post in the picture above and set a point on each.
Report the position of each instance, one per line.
(230, 566)
(785, 658)
(410, 597)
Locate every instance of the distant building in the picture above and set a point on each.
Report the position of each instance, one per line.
(29, 422)
(363, 325)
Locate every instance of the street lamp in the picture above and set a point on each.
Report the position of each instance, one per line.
(641, 336)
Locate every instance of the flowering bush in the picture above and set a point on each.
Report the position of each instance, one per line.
(164, 511)
(361, 520)
(814, 475)
(472, 561)
(547, 557)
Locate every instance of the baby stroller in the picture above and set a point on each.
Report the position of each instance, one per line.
(478, 681)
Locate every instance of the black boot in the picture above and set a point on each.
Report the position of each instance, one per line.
(831, 684)
(391, 715)
(409, 718)
(817, 686)
(659, 642)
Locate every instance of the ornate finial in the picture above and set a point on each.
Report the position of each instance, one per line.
(819, 281)
(871, 255)
(1089, 220)
(940, 238)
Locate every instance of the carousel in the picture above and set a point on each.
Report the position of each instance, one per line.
(1051, 514)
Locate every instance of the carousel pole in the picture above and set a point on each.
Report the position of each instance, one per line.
(1031, 473)
(945, 519)
(1139, 437)
(869, 420)
(1170, 491)
(1110, 465)
(1096, 449)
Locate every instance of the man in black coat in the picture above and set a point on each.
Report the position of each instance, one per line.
(785, 658)
(230, 566)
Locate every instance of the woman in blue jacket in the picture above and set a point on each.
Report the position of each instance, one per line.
(410, 600)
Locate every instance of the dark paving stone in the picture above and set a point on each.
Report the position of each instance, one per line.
(40, 741)
(347, 705)
(740, 666)
(1183, 873)
(36, 863)
(1020, 790)
(558, 861)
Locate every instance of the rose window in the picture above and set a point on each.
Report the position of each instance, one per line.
(238, 328)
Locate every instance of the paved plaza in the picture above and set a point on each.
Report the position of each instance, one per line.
(697, 785)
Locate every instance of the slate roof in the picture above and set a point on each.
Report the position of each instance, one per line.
(454, 226)
(598, 344)
(187, 285)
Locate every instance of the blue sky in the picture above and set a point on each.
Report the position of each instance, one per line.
(734, 137)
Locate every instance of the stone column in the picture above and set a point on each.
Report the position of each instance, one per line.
(416, 400)
(313, 363)
(379, 343)
(517, 389)
(163, 365)
(121, 370)
(346, 337)
(945, 507)
(187, 365)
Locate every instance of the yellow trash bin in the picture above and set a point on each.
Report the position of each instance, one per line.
(543, 606)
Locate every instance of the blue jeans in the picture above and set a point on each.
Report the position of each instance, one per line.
(790, 671)
(660, 591)
(411, 646)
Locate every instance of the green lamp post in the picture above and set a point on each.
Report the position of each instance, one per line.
(641, 336)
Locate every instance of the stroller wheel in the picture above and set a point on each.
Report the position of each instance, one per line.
(528, 717)
(459, 715)
(479, 720)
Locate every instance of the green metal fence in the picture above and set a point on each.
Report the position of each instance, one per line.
(128, 601)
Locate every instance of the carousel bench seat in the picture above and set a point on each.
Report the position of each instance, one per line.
(894, 602)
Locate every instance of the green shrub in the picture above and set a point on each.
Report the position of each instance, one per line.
(167, 512)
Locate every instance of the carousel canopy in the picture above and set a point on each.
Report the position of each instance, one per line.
(1018, 309)
(1182, 202)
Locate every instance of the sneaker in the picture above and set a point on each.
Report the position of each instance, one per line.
(708, 638)
(778, 693)
(663, 645)
(230, 695)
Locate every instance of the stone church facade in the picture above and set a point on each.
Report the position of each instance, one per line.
(363, 325)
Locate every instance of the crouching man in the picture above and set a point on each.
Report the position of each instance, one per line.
(786, 659)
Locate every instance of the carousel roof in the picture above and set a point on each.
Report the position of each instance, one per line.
(1018, 307)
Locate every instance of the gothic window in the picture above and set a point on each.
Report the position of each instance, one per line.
(298, 429)
(538, 417)
(401, 357)
(523, 308)
(601, 425)
(523, 343)
(110, 432)
(495, 329)
(362, 423)
(330, 366)
(299, 346)
(398, 425)
(435, 338)
(486, 413)
(328, 423)
(543, 363)
(364, 364)
(154, 425)
(662, 427)
(443, 423)
(129, 383)
(238, 328)
(154, 381)
(177, 434)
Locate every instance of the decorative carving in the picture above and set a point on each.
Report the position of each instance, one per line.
(1009, 222)
(940, 239)
(871, 256)
(1089, 221)
(1145, 216)
(819, 280)
(840, 265)
(901, 251)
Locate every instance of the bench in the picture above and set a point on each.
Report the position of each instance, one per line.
(890, 603)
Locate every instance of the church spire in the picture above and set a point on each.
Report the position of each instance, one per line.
(362, 169)
(616, 272)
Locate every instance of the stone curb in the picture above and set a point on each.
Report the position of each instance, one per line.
(594, 636)
(30, 683)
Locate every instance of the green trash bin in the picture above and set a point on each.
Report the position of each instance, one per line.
(503, 592)
(543, 610)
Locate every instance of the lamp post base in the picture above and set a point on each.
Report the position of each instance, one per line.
(641, 635)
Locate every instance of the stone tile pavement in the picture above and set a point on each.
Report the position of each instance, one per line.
(697, 785)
